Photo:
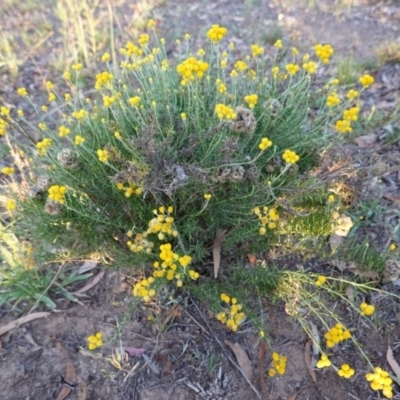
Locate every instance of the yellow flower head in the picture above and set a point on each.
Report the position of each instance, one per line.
(22, 91)
(320, 280)
(367, 309)
(216, 33)
(290, 156)
(278, 44)
(366, 80)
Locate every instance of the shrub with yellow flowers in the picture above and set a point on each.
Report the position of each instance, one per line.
(166, 150)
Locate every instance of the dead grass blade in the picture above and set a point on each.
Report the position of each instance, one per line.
(307, 361)
(242, 359)
(219, 238)
(261, 358)
(22, 320)
(151, 364)
(89, 285)
(392, 362)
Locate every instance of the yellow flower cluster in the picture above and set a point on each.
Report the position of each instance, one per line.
(140, 243)
(310, 67)
(351, 114)
(224, 112)
(22, 91)
(366, 80)
(216, 33)
(143, 39)
(77, 67)
(63, 131)
(352, 94)
(278, 365)
(323, 52)
(134, 101)
(266, 216)
(343, 126)
(3, 127)
(332, 100)
(290, 156)
(95, 341)
(11, 205)
(81, 114)
(78, 140)
(336, 335)
(278, 44)
(103, 155)
(43, 145)
(345, 371)
(130, 189)
(4, 111)
(251, 100)
(163, 223)
(323, 362)
(142, 289)
(8, 170)
(57, 193)
(103, 79)
(190, 69)
(264, 144)
(367, 309)
(208, 196)
(131, 50)
(42, 126)
(320, 280)
(171, 266)
(380, 380)
(257, 50)
(220, 86)
(240, 65)
(233, 316)
(292, 68)
(108, 101)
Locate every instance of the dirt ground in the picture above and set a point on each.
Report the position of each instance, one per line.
(185, 354)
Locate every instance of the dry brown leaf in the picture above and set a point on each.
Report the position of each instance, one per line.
(94, 281)
(22, 320)
(293, 396)
(242, 359)
(366, 140)
(71, 378)
(70, 374)
(219, 238)
(64, 392)
(261, 358)
(391, 197)
(87, 266)
(392, 362)
(151, 364)
(307, 361)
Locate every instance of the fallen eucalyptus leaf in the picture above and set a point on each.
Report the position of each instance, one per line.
(307, 361)
(242, 359)
(392, 362)
(366, 140)
(219, 238)
(22, 320)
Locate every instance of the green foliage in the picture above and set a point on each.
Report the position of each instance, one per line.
(168, 152)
